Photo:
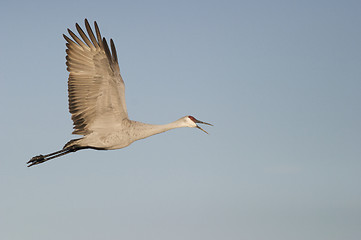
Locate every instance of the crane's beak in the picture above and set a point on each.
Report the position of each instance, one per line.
(197, 121)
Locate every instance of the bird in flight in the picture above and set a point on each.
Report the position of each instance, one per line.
(97, 99)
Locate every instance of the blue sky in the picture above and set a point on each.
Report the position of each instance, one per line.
(280, 80)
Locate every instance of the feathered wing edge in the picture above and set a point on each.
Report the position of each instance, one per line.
(81, 55)
(95, 43)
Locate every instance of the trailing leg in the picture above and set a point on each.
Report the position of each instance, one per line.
(43, 158)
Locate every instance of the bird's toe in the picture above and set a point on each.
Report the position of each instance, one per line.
(36, 160)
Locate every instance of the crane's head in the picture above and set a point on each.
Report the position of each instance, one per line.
(192, 122)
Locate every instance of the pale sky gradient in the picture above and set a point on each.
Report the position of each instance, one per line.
(280, 80)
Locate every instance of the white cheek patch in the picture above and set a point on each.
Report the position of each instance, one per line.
(190, 122)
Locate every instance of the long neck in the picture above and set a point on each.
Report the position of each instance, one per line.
(143, 130)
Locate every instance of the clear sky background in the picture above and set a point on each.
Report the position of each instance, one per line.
(280, 81)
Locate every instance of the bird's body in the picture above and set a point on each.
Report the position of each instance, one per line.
(97, 99)
(123, 134)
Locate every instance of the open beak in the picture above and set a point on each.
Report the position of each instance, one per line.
(197, 121)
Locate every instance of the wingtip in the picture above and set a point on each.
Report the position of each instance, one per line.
(69, 31)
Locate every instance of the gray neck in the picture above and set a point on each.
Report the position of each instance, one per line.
(143, 130)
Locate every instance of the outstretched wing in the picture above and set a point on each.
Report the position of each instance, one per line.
(95, 86)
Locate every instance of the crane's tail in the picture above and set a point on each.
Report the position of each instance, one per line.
(68, 148)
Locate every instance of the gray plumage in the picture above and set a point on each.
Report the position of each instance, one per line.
(96, 93)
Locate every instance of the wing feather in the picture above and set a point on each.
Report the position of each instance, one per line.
(91, 34)
(84, 37)
(99, 36)
(95, 86)
(114, 51)
(77, 40)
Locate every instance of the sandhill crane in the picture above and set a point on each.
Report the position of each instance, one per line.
(97, 100)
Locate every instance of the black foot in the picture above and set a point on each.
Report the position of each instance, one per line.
(36, 160)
